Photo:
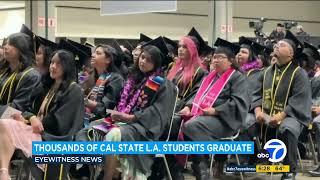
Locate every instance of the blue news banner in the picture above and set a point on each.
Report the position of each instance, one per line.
(93, 152)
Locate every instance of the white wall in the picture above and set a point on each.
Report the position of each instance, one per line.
(10, 22)
(88, 22)
(83, 22)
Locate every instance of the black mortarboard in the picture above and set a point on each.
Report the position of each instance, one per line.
(255, 47)
(81, 52)
(311, 50)
(207, 50)
(202, 46)
(297, 46)
(144, 38)
(223, 43)
(171, 43)
(129, 46)
(115, 44)
(91, 46)
(161, 45)
(88, 44)
(47, 43)
(35, 41)
(119, 54)
(267, 51)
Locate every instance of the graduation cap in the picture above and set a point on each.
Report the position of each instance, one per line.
(203, 48)
(119, 53)
(115, 44)
(144, 38)
(81, 52)
(47, 43)
(223, 43)
(208, 50)
(91, 46)
(255, 47)
(88, 44)
(297, 46)
(173, 44)
(161, 45)
(311, 51)
(129, 46)
(267, 51)
(36, 44)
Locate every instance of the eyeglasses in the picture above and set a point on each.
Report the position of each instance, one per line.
(219, 57)
(207, 58)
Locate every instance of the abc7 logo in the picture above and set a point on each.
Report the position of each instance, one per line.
(263, 155)
(274, 151)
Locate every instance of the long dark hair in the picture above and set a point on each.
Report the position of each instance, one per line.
(23, 43)
(116, 60)
(47, 55)
(67, 61)
(230, 55)
(156, 59)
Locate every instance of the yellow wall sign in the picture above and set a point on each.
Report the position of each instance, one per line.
(272, 168)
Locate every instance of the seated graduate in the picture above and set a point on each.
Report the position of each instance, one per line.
(43, 55)
(106, 92)
(109, 81)
(252, 66)
(204, 51)
(56, 115)
(137, 51)
(220, 106)
(312, 53)
(17, 77)
(144, 110)
(186, 73)
(247, 56)
(286, 97)
(307, 59)
(172, 47)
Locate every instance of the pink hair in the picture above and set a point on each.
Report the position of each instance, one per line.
(189, 65)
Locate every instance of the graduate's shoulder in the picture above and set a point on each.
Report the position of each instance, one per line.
(30, 74)
(116, 76)
(74, 89)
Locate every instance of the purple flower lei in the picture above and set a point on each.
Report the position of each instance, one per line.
(251, 65)
(129, 96)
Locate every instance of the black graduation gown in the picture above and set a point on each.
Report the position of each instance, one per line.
(184, 96)
(111, 96)
(150, 124)
(63, 119)
(112, 92)
(298, 108)
(232, 106)
(64, 115)
(315, 88)
(253, 84)
(20, 93)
